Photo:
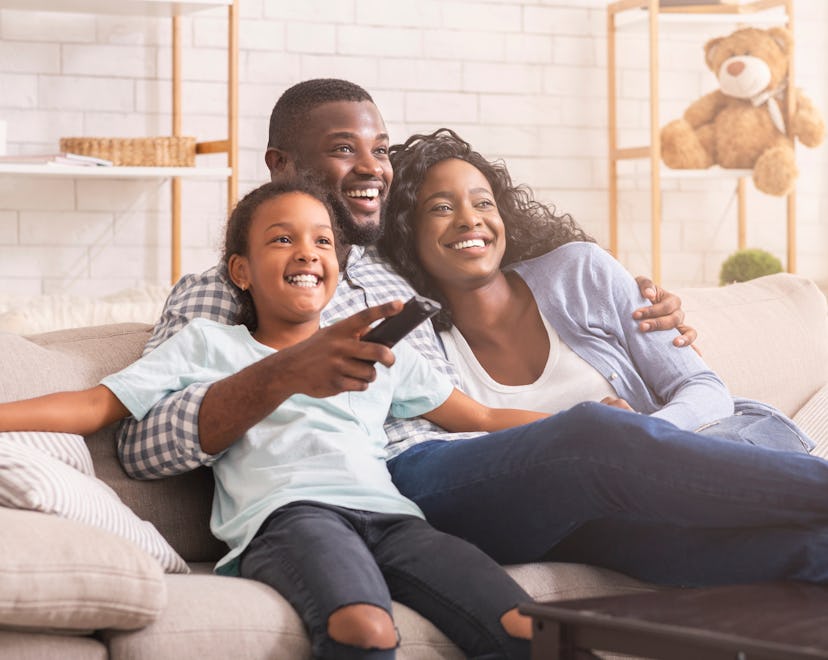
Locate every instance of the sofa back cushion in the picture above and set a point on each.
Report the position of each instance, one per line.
(179, 507)
(766, 338)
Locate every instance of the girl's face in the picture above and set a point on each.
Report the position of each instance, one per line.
(291, 269)
(459, 234)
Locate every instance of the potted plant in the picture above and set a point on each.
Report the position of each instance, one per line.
(748, 264)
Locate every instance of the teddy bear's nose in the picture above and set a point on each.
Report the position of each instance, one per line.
(735, 68)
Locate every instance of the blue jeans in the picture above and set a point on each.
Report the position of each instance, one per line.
(759, 424)
(517, 494)
(322, 558)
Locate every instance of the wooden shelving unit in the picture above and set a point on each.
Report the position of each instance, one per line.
(172, 9)
(622, 14)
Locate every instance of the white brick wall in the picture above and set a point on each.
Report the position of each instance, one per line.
(524, 80)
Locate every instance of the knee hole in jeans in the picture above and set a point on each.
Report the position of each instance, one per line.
(516, 624)
(364, 626)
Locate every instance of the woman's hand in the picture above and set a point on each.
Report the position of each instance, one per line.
(615, 402)
(664, 314)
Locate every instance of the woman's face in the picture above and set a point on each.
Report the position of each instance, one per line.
(291, 269)
(459, 234)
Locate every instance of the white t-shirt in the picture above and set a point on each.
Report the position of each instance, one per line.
(566, 379)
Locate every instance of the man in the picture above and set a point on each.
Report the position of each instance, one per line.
(514, 493)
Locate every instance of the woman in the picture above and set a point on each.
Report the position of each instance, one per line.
(518, 285)
(462, 233)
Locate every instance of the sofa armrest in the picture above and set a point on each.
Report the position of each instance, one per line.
(58, 574)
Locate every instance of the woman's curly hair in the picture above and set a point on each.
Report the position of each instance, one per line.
(237, 232)
(531, 228)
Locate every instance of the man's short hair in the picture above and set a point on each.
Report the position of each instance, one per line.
(294, 105)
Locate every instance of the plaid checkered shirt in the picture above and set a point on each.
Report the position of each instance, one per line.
(166, 441)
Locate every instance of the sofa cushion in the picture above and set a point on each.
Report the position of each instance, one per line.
(255, 621)
(565, 581)
(16, 645)
(57, 574)
(766, 338)
(211, 616)
(69, 359)
(31, 479)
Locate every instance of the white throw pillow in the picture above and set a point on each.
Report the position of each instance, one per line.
(31, 479)
(30, 315)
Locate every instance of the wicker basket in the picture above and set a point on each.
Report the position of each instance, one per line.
(141, 152)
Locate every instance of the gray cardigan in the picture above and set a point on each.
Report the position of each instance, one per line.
(589, 298)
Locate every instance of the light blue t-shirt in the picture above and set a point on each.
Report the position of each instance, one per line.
(328, 450)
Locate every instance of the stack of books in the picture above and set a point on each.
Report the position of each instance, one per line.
(60, 158)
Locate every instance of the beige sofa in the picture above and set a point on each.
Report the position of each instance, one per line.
(69, 590)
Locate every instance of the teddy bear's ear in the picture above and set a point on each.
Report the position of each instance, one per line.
(710, 51)
(783, 38)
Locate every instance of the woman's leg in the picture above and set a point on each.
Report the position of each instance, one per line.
(454, 585)
(312, 555)
(517, 493)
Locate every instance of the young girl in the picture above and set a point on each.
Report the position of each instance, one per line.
(303, 499)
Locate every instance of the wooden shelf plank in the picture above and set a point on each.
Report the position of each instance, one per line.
(81, 172)
(766, 16)
(666, 173)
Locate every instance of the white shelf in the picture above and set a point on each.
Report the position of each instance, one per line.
(164, 8)
(635, 21)
(11, 169)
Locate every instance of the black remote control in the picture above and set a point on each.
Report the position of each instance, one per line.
(394, 328)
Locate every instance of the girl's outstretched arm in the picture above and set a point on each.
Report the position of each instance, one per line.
(462, 413)
(81, 411)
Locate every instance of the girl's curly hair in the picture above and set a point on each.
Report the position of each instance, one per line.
(237, 232)
(531, 228)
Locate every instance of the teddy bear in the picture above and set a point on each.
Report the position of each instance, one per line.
(742, 124)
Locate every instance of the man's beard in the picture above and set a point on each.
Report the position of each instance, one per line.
(353, 232)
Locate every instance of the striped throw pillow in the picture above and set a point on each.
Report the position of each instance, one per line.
(65, 447)
(31, 478)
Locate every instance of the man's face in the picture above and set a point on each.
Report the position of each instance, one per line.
(346, 143)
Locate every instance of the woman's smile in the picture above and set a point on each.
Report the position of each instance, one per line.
(467, 243)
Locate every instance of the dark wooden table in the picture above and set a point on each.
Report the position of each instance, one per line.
(769, 621)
